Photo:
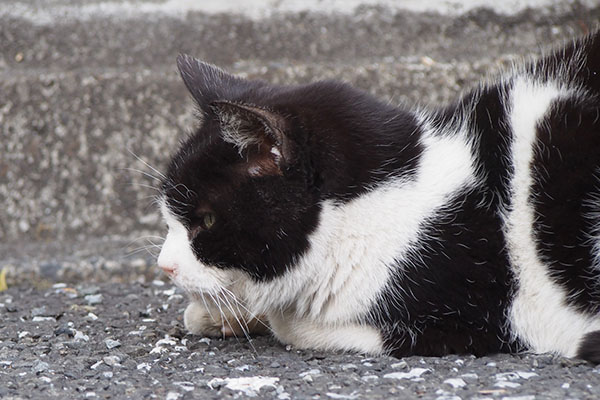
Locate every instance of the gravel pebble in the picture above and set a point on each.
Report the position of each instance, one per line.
(111, 344)
(93, 299)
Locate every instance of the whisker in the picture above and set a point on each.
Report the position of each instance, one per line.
(138, 184)
(207, 308)
(160, 174)
(223, 317)
(250, 313)
(149, 175)
(145, 237)
(236, 302)
(245, 331)
(220, 311)
(147, 247)
(137, 251)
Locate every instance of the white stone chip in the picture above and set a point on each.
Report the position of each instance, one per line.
(173, 396)
(368, 378)
(250, 385)
(400, 365)
(526, 375)
(455, 382)
(79, 336)
(314, 371)
(166, 341)
(158, 350)
(112, 361)
(43, 319)
(186, 386)
(507, 384)
(111, 343)
(92, 316)
(93, 299)
(412, 374)
(96, 365)
(144, 366)
(351, 396)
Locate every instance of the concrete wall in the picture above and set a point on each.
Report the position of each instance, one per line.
(84, 88)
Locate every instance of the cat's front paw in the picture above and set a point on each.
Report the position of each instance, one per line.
(199, 320)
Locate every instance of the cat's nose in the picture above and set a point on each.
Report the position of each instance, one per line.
(169, 269)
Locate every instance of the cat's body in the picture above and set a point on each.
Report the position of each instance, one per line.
(350, 224)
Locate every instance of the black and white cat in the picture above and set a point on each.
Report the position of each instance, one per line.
(346, 223)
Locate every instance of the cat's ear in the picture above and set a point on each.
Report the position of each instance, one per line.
(205, 82)
(258, 134)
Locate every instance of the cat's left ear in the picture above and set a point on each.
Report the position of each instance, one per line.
(259, 135)
(206, 82)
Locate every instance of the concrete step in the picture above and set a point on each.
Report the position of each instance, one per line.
(81, 97)
(99, 41)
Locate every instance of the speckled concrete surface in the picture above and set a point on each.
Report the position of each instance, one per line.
(86, 314)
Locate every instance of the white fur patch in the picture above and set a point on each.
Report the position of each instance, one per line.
(304, 333)
(539, 314)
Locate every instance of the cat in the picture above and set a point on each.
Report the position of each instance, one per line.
(340, 222)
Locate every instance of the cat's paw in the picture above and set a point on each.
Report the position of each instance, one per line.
(199, 320)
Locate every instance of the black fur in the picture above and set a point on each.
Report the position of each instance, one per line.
(589, 349)
(566, 165)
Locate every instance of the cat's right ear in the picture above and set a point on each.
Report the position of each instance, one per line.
(206, 83)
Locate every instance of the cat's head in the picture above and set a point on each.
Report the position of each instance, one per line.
(239, 196)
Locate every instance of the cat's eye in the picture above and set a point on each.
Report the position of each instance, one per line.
(207, 220)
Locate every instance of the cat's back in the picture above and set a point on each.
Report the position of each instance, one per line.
(550, 194)
(532, 217)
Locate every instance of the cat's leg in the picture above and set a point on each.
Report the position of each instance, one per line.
(208, 319)
(589, 348)
(305, 333)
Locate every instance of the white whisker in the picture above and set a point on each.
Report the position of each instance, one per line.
(146, 164)
(143, 173)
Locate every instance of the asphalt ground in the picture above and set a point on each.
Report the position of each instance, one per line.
(128, 341)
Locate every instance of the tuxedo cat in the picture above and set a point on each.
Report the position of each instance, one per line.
(338, 221)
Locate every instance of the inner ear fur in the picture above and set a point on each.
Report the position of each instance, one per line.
(259, 135)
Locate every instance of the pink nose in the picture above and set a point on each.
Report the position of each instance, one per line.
(169, 269)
